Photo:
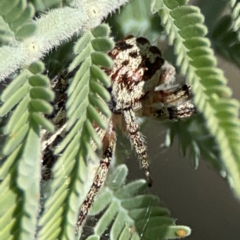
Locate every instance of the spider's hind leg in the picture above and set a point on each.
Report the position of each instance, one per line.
(109, 142)
(137, 140)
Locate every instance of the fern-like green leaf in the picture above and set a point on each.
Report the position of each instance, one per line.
(22, 151)
(235, 6)
(225, 40)
(210, 95)
(128, 213)
(136, 18)
(195, 141)
(84, 107)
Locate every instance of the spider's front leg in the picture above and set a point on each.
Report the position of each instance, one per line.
(109, 142)
(137, 140)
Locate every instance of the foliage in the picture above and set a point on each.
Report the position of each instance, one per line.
(127, 207)
(211, 95)
(34, 209)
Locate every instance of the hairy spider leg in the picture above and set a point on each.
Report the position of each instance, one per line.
(109, 142)
(184, 110)
(137, 140)
(175, 104)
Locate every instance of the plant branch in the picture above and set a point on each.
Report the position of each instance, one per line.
(53, 28)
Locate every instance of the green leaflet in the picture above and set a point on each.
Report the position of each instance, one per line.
(101, 31)
(39, 105)
(39, 80)
(14, 99)
(41, 93)
(81, 45)
(76, 85)
(97, 102)
(72, 133)
(98, 88)
(42, 121)
(102, 44)
(101, 59)
(91, 131)
(26, 31)
(17, 15)
(96, 72)
(37, 67)
(15, 140)
(93, 114)
(82, 56)
(79, 95)
(131, 214)
(18, 119)
(15, 85)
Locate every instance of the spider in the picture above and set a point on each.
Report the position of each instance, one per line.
(143, 85)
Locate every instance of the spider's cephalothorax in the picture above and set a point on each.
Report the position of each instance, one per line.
(142, 86)
(137, 67)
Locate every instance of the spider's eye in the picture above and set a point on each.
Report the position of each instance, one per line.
(152, 67)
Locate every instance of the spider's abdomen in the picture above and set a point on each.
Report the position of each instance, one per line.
(136, 69)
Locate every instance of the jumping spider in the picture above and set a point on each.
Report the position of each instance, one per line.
(143, 85)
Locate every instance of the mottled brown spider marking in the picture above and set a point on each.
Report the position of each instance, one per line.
(135, 63)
